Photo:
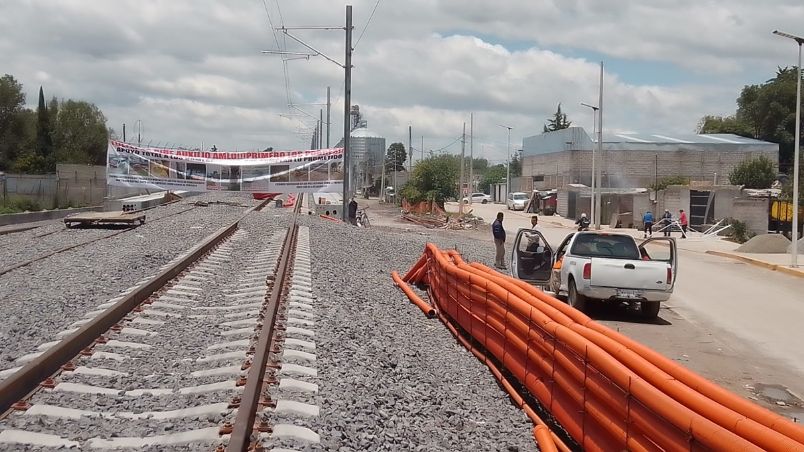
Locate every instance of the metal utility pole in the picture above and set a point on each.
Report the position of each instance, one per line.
(328, 105)
(508, 165)
(592, 202)
(347, 67)
(410, 149)
(471, 155)
(599, 148)
(463, 163)
(124, 132)
(422, 149)
(347, 106)
(796, 150)
(321, 129)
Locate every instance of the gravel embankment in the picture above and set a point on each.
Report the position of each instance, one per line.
(39, 300)
(390, 379)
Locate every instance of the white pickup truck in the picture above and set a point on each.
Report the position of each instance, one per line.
(599, 265)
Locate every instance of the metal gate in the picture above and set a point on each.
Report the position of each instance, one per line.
(701, 211)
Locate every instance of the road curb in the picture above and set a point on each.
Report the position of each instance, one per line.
(759, 263)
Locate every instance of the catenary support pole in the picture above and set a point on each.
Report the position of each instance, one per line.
(328, 105)
(347, 99)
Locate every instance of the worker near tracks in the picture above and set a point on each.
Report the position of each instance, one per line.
(667, 219)
(498, 232)
(352, 212)
(647, 219)
(682, 219)
(583, 223)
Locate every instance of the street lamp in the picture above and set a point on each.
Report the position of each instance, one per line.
(796, 149)
(508, 166)
(594, 179)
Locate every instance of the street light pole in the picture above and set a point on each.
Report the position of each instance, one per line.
(508, 166)
(796, 149)
(594, 131)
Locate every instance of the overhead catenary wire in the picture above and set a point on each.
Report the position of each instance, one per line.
(367, 24)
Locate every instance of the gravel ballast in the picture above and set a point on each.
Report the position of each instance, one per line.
(183, 352)
(390, 378)
(41, 299)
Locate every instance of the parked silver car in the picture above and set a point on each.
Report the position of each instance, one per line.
(481, 198)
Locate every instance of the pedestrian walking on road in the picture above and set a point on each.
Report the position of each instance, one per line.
(682, 219)
(647, 219)
(667, 217)
(498, 232)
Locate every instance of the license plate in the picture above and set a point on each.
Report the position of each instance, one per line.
(629, 293)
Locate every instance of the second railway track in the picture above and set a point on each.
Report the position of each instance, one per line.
(195, 363)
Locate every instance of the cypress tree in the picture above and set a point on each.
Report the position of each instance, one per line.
(44, 140)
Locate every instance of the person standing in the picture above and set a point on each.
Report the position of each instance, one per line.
(534, 222)
(667, 217)
(352, 212)
(498, 232)
(647, 219)
(682, 219)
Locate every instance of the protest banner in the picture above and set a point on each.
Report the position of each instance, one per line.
(307, 171)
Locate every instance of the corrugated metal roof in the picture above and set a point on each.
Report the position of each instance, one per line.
(674, 138)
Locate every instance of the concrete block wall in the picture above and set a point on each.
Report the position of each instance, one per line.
(635, 168)
(753, 212)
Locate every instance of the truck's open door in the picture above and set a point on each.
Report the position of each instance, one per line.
(661, 249)
(531, 257)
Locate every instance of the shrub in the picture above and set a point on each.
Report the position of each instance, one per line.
(668, 181)
(754, 173)
(739, 231)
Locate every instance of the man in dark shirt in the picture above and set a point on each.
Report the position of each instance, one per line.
(352, 212)
(498, 232)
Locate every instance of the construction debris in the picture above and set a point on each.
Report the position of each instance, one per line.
(430, 215)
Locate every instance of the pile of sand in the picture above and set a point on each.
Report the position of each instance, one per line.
(766, 244)
(800, 246)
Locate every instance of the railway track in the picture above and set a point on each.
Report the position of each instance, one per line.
(214, 351)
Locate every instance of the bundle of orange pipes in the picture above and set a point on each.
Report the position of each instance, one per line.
(607, 391)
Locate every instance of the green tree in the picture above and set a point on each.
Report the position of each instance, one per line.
(754, 173)
(516, 165)
(495, 174)
(557, 122)
(765, 112)
(44, 139)
(13, 139)
(81, 135)
(395, 157)
(434, 178)
(479, 166)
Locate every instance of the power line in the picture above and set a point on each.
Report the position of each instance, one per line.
(367, 24)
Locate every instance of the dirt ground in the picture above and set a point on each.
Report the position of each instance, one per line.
(701, 345)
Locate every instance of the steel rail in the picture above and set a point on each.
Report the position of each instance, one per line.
(247, 412)
(22, 383)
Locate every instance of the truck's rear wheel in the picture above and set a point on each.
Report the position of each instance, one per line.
(576, 300)
(649, 309)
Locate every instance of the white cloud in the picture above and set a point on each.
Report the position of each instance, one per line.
(192, 71)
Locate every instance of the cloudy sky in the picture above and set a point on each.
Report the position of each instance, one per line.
(192, 70)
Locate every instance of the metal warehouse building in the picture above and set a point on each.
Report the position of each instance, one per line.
(557, 159)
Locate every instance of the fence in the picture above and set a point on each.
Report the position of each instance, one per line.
(606, 390)
(72, 185)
